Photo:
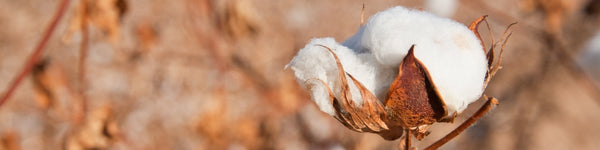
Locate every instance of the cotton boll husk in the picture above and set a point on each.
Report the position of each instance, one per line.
(316, 62)
(449, 50)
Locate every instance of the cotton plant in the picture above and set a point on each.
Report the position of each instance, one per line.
(402, 71)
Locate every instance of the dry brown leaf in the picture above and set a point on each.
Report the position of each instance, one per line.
(147, 36)
(53, 91)
(239, 19)
(41, 87)
(102, 14)
(99, 131)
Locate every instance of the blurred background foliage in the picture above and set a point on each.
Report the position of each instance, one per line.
(208, 74)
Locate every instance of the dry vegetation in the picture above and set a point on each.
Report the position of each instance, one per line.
(204, 74)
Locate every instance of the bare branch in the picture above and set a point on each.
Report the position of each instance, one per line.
(37, 52)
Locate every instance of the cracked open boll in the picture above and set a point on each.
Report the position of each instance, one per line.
(403, 69)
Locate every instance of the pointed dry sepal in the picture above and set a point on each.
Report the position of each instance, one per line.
(413, 99)
(475, 28)
(493, 66)
(504, 40)
(371, 105)
(366, 118)
(348, 111)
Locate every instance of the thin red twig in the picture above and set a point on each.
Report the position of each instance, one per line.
(37, 52)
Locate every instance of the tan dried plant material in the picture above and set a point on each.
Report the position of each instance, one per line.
(102, 14)
(212, 123)
(363, 119)
(238, 19)
(42, 86)
(52, 91)
(147, 37)
(100, 131)
(493, 66)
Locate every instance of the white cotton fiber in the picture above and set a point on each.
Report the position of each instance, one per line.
(316, 62)
(449, 50)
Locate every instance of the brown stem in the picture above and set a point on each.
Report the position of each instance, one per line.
(37, 52)
(407, 144)
(485, 108)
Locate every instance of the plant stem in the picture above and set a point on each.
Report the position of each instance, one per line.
(484, 109)
(37, 52)
(407, 144)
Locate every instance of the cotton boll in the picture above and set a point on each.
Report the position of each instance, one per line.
(314, 63)
(449, 50)
(389, 34)
(444, 72)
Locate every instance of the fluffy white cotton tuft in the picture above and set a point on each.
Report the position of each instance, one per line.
(316, 62)
(449, 50)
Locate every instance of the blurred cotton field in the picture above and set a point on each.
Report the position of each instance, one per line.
(203, 74)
